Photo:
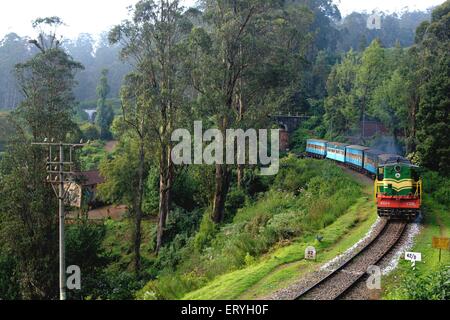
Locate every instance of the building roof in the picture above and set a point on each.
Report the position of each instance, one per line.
(89, 178)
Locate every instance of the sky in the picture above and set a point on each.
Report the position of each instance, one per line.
(96, 16)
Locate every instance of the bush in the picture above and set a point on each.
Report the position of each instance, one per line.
(433, 286)
(306, 196)
(91, 156)
(235, 200)
(9, 282)
(437, 186)
(90, 132)
(170, 287)
(84, 249)
(206, 232)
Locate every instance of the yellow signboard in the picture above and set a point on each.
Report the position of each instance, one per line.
(441, 243)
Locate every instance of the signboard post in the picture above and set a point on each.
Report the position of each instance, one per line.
(441, 244)
(413, 257)
(310, 253)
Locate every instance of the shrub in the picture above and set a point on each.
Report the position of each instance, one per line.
(206, 232)
(90, 131)
(433, 286)
(235, 200)
(91, 155)
(437, 186)
(306, 196)
(9, 282)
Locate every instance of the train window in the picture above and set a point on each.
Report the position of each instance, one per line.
(380, 174)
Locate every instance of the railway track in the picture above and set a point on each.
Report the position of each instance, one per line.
(342, 280)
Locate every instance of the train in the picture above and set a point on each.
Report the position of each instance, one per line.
(398, 190)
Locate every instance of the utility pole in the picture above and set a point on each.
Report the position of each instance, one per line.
(60, 172)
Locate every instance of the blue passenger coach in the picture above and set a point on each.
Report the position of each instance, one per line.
(354, 156)
(316, 148)
(371, 160)
(336, 151)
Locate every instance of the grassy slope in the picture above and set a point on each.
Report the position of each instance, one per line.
(118, 241)
(284, 265)
(436, 223)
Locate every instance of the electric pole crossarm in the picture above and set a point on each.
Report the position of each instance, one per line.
(59, 177)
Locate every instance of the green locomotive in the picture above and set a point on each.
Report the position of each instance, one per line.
(398, 189)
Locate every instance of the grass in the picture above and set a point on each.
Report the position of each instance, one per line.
(284, 265)
(351, 228)
(118, 241)
(436, 223)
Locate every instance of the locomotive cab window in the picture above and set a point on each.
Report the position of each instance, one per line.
(380, 174)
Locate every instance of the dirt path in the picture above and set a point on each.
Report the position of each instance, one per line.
(113, 212)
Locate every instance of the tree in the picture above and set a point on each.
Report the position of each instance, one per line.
(370, 74)
(341, 109)
(28, 220)
(433, 117)
(216, 72)
(153, 40)
(105, 114)
(13, 49)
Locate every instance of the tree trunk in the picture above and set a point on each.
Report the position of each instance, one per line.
(138, 210)
(240, 175)
(165, 184)
(221, 191)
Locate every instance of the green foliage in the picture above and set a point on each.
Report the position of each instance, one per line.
(206, 232)
(170, 287)
(9, 281)
(437, 186)
(120, 285)
(47, 80)
(120, 174)
(434, 285)
(395, 28)
(306, 196)
(236, 199)
(92, 155)
(308, 129)
(89, 132)
(28, 227)
(84, 249)
(433, 116)
(7, 130)
(341, 110)
(105, 113)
